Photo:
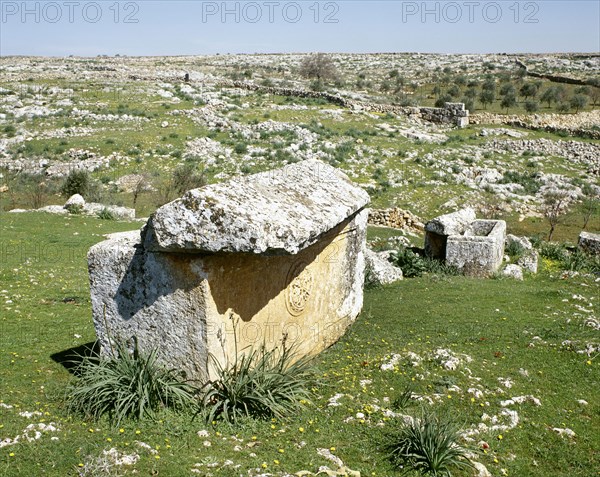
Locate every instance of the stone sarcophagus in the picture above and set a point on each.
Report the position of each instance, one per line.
(255, 260)
(475, 247)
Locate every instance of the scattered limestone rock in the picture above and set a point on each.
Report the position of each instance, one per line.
(396, 218)
(379, 270)
(513, 271)
(524, 242)
(529, 261)
(589, 242)
(481, 469)
(75, 203)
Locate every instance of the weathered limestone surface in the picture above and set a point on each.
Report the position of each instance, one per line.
(480, 251)
(513, 271)
(186, 302)
(589, 242)
(281, 211)
(524, 242)
(76, 201)
(529, 261)
(380, 270)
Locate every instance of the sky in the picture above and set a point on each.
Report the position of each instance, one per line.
(194, 27)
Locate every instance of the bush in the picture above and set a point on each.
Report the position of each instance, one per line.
(106, 214)
(413, 265)
(77, 182)
(428, 445)
(529, 182)
(514, 249)
(187, 177)
(129, 384)
(260, 383)
(552, 251)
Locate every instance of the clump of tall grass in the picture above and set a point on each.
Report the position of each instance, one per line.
(127, 385)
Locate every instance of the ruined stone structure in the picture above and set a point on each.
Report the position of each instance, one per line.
(452, 113)
(476, 247)
(262, 258)
(396, 218)
(589, 242)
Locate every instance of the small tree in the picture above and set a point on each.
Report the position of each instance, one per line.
(528, 90)
(142, 184)
(319, 67)
(443, 100)
(77, 182)
(591, 204)
(486, 97)
(469, 104)
(508, 88)
(595, 91)
(549, 96)
(579, 101)
(555, 206)
(532, 106)
(508, 101)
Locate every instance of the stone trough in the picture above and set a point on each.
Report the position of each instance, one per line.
(476, 247)
(274, 256)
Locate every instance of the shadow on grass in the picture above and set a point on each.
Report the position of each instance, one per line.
(71, 358)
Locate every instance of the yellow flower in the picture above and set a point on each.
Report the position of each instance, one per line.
(332, 449)
(276, 462)
(301, 429)
(12, 454)
(157, 457)
(121, 430)
(281, 451)
(138, 431)
(264, 465)
(500, 437)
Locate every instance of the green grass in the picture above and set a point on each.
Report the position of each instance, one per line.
(46, 310)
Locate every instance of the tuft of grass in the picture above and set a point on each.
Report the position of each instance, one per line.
(106, 214)
(260, 383)
(428, 445)
(128, 384)
(514, 250)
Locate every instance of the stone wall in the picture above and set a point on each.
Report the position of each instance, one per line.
(589, 242)
(396, 218)
(452, 113)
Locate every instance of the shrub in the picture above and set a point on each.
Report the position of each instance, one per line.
(106, 214)
(428, 445)
(552, 251)
(529, 182)
(514, 249)
(128, 384)
(260, 383)
(413, 265)
(187, 177)
(77, 182)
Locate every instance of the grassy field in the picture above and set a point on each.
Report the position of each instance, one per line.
(510, 338)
